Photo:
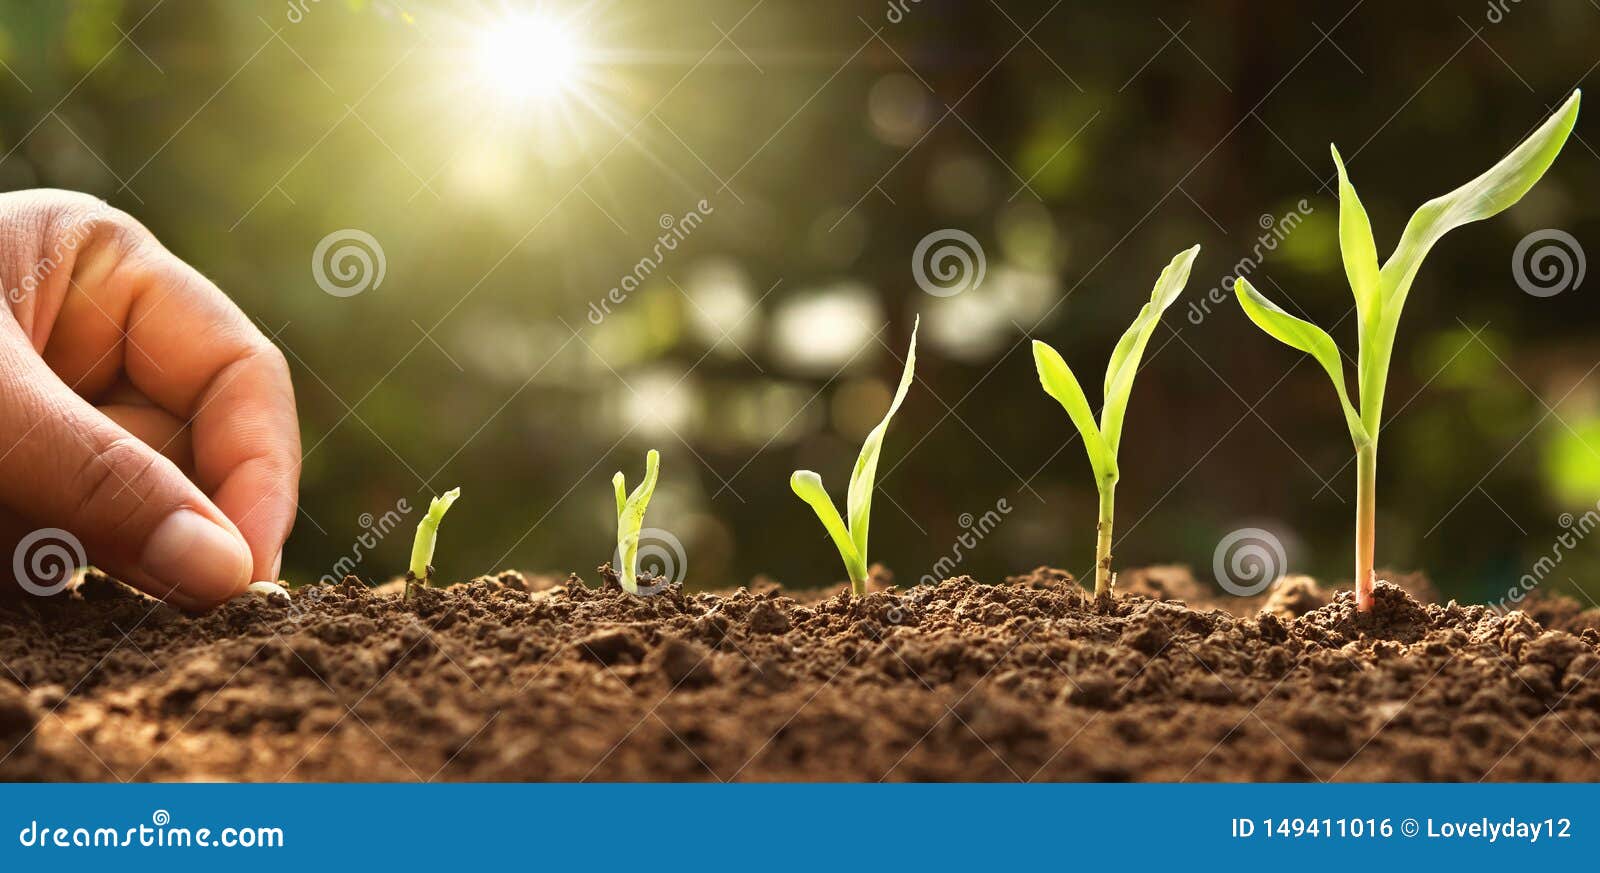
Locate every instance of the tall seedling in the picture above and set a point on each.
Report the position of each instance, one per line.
(851, 540)
(1381, 292)
(1102, 440)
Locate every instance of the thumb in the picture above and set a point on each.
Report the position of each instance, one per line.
(64, 464)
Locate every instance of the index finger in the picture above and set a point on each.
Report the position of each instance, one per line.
(186, 346)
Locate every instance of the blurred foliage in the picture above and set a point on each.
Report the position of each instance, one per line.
(827, 139)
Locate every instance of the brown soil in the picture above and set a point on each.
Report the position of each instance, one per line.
(1028, 680)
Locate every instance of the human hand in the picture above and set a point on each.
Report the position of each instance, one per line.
(140, 410)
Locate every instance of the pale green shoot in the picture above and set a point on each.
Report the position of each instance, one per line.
(1380, 293)
(1102, 440)
(851, 540)
(427, 536)
(630, 518)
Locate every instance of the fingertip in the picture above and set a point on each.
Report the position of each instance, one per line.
(191, 555)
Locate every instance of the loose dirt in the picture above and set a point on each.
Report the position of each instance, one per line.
(507, 678)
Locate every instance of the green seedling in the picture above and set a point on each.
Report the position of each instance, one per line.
(421, 570)
(630, 518)
(1380, 292)
(1102, 440)
(851, 540)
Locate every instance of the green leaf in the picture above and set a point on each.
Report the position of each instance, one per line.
(1058, 382)
(1359, 251)
(1124, 365)
(1494, 191)
(808, 486)
(630, 518)
(858, 500)
(1306, 337)
(428, 532)
(852, 539)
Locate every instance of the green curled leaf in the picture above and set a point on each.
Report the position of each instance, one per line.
(1124, 364)
(1306, 337)
(858, 499)
(1359, 251)
(1058, 382)
(1498, 188)
(808, 487)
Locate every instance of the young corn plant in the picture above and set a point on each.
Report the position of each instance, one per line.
(851, 539)
(421, 570)
(1380, 293)
(630, 519)
(1102, 440)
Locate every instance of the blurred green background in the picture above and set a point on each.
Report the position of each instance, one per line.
(1081, 145)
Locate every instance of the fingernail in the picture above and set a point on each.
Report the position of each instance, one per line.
(196, 557)
(277, 567)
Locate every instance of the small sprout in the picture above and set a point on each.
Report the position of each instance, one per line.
(1380, 293)
(852, 540)
(1102, 440)
(630, 518)
(421, 570)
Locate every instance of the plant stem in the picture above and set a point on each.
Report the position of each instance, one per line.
(1102, 547)
(858, 571)
(1366, 521)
